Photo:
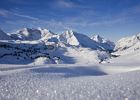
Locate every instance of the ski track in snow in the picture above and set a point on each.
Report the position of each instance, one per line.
(69, 82)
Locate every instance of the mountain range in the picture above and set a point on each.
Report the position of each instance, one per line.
(41, 46)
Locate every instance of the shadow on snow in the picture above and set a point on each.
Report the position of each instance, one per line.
(71, 72)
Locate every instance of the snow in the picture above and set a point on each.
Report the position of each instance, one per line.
(69, 38)
(27, 34)
(77, 39)
(97, 38)
(41, 61)
(126, 57)
(131, 49)
(46, 34)
(31, 34)
(127, 42)
(71, 82)
(105, 44)
(128, 50)
(34, 52)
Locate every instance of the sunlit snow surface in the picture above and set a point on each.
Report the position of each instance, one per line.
(69, 82)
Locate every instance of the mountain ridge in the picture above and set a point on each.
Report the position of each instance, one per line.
(41, 46)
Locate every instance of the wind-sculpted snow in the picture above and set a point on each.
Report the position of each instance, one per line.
(68, 82)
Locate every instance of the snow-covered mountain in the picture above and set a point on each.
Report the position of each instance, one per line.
(97, 38)
(106, 44)
(34, 46)
(36, 52)
(31, 34)
(77, 39)
(69, 37)
(40, 46)
(128, 50)
(127, 42)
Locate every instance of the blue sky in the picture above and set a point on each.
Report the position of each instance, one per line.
(112, 19)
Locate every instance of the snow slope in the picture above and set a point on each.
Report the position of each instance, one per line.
(26, 52)
(74, 55)
(128, 42)
(132, 57)
(69, 82)
(127, 50)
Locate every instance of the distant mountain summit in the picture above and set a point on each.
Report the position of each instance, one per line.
(97, 38)
(76, 39)
(69, 38)
(31, 34)
(106, 44)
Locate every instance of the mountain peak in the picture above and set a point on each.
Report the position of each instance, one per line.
(24, 29)
(138, 36)
(31, 34)
(69, 37)
(106, 44)
(42, 29)
(70, 32)
(77, 39)
(27, 34)
(97, 38)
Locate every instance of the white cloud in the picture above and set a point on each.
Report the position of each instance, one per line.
(4, 13)
(68, 4)
(65, 3)
(26, 16)
(84, 20)
(28, 21)
(68, 23)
